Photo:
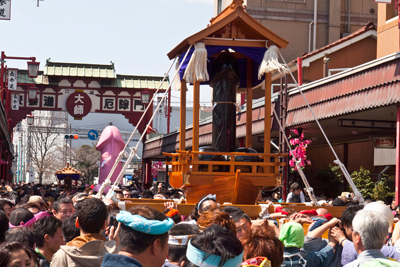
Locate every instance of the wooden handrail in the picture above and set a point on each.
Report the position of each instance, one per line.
(271, 155)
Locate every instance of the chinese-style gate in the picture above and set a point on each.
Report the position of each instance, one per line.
(83, 88)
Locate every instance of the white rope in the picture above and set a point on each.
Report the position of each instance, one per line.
(107, 182)
(358, 197)
(134, 150)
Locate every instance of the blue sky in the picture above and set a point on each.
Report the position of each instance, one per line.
(135, 35)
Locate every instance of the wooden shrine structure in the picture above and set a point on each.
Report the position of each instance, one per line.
(235, 32)
(67, 174)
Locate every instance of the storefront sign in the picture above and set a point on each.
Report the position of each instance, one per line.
(14, 101)
(384, 1)
(5, 9)
(384, 142)
(78, 104)
(12, 78)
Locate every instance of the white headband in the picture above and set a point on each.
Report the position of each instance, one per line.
(179, 240)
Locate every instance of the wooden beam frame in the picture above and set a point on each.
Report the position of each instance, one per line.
(249, 104)
(267, 118)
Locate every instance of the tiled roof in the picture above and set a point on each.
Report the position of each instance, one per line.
(79, 69)
(68, 170)
(371, 85)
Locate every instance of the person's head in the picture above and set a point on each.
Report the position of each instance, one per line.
(48, 234)
(242, 222)
(147, 194)
(292, 235)
(14, 254)
(151, 241)
(205, 203)
(347, 219)
(38, 200)
(21, 217)
(370, 230)
(262, 242)
(295, 188)
(178, 239)
(78, 197)
(3, 225)
(91, 215)
(174, 215)
(22, 235)
(6, 206)
(224, 246)
(32, 207)
(69, 229)
(119, 194)
(231, 209)
(208, 218)
(126, 193)
(63, 208)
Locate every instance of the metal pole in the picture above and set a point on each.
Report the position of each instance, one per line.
(315, 25)
(169, 112)
(19, 159)
(2, 77)
(397, 192)
(70, 148)
(348, 15)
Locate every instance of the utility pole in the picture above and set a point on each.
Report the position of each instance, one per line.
(70, 148)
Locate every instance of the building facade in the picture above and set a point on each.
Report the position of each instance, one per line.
(294, 20)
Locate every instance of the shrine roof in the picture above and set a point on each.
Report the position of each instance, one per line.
(68, 170)
(79, 69)
(119, 81)
(232, 27)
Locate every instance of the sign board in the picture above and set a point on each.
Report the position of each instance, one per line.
(384, 157)
(384, 142)
(14, 101)
(383, 1)
(12, 77)
(93, 134)
(5, 9)
(78, 104)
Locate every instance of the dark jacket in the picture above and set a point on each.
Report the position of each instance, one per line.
(115, 260)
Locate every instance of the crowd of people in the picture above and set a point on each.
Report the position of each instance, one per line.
(43, 226)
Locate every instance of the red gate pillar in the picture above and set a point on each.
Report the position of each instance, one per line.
(397, 193)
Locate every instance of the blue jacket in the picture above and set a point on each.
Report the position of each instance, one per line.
(299, 258)
(115, 260)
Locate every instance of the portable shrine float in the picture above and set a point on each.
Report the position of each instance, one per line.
(227, 56)
(233, 54)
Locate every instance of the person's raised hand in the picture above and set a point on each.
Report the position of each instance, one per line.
(337, 234)
(170, 205)
(113, 234)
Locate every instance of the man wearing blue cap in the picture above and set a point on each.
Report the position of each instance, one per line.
(143, 238)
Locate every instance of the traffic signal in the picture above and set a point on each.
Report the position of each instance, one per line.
(71, 136)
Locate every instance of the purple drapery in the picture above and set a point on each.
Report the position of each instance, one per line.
(255, 53)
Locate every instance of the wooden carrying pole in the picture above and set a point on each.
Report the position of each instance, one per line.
(267, 118)
(196, 121)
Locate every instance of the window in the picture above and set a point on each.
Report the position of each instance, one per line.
(219, 8)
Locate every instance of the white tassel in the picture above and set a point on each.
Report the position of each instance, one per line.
(270, 62)
(196, 70)
(177, 80)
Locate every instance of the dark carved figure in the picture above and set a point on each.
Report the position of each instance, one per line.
(224, 83)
